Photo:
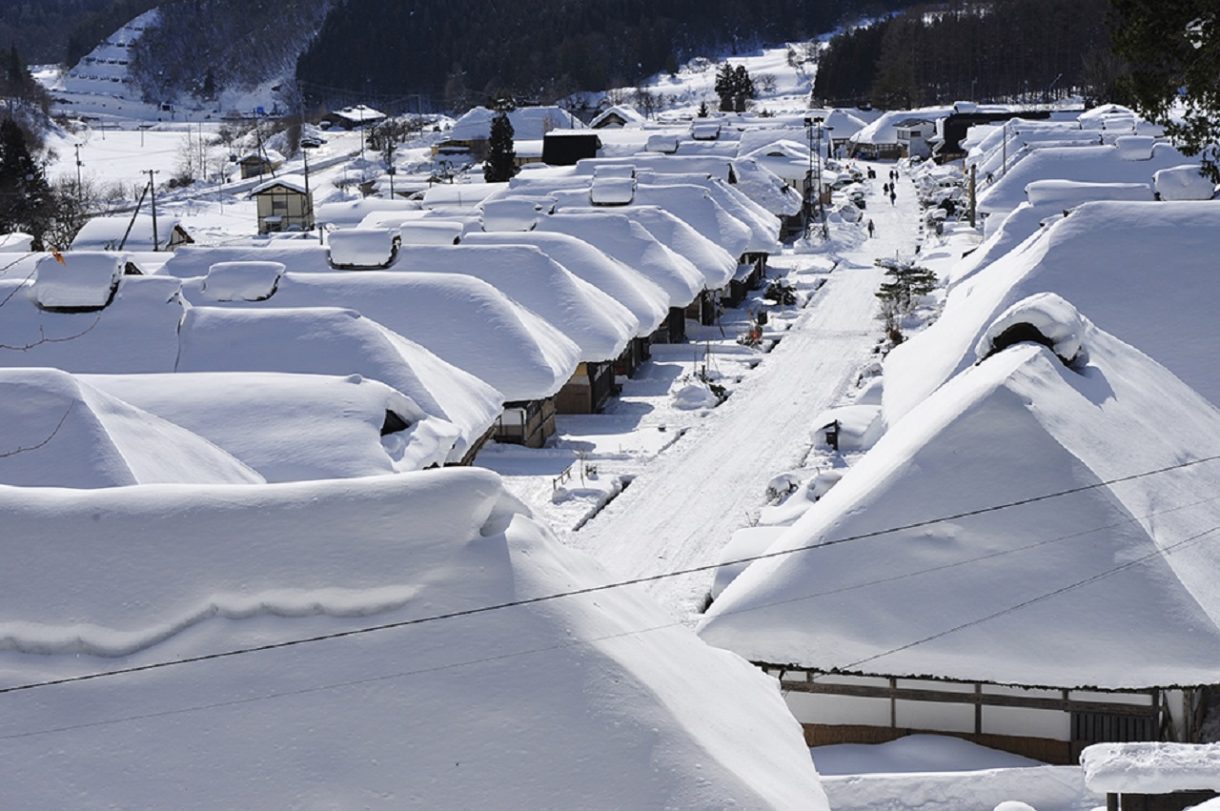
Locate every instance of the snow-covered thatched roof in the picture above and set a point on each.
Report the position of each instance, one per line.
(1143, 271)
(294, 427)
(644, 299)
(327, 340)
(58, 431)
(1110, 585)
(628, 116)
(462, 320)
(295, 255)
(631, 244)
(595, 692)
(350, 213)
(107, 233)
(598, 324)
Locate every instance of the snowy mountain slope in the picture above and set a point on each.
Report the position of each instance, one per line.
(1132, 560)
(592, 701)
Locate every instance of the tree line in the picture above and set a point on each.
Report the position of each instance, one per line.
(459, 52)
(1002, 50)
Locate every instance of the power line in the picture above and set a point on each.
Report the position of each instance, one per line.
(631, 633)
(468, 612)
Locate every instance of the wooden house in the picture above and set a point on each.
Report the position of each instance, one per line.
(355, 117)
(257, 164)
(566, 147)
(617, 117)
(284, 204)
(914, 136)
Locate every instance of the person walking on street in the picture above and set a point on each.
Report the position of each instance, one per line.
(893, 197)
(885, 188)
(870, 229)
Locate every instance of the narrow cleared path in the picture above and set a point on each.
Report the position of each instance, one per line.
(687, 503)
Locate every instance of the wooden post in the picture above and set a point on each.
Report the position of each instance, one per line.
(973, 194)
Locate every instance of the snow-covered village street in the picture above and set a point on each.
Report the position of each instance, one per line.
(552, 405)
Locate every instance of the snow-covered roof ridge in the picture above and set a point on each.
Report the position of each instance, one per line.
(1109, 258)
(116, 584)
(294, 427)
(57, 431)
(598, 324)
(1151, 768)
(293, 182)
(1105, 587)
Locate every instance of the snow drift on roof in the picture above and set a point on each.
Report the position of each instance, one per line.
(1183, 183)
(630, 243)
(1108, 259)
(242, 281)
(510, 214)
(1151, 768)
(1019, 425)
(84, 279)
(462, 320)
(766, 188)
(295, 255)
(294, 427)
(598, 324)
(459, 194)
(529, 123)
(349, 213)
(430, 232)
(642, 298)
(136, 332)
(56, 431)
(108, 233)
(362, 248)
(291, 182)
(593, 707)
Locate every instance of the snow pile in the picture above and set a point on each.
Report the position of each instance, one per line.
(611, 191)
(1044, 318)
(1134, 147)
(529, 123)
(351, 213)
(766, 188)
(695, 205)
(510, 214)
(292, 427)
(631, 244)
(1183, 183)
(459, 195)
(598, 324)
(1069, 193)
(430, 232)
(242, 281)
(56, 431)
(914, 754)
(617, 170)
(16, 242)
(82, 279)
(1091, 575)
(363, 248)
(746, 543)
(762, 227)
(857, 426)
(1110, 260)
(594, 692)
(462, 320)
(1048, 788)
(331, 341)
(642, 298)
(694, 396)
(1151, 768)
(715, 263)
(136, 332)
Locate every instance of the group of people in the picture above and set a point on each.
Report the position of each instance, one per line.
(889, 188)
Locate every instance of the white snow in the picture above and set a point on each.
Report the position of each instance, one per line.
(511, 214)
(642, 298)
(16, 242)
(57, 431)
(1069, 193)
(292, 182)
(598, 324)
(1142, 271)
(293, 427)
(351, 213)
(295, 255)
(362, 248)
(242, 281)
(1151, 768)
(611, 191)
(630, 243)
(85, 279)
(1054, 319)
(1093, 574)
(547, 705)
(1185, 182)
(430, 232)
(913, 754)
(529, 123)
(462, 320)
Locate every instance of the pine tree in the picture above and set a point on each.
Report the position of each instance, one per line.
(725, 87)
(501, 156)
(743, 88)
(25, 197)
(703, 111)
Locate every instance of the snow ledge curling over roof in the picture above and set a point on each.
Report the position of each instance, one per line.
(1151, 768)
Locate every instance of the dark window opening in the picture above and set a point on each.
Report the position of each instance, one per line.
(393, 423)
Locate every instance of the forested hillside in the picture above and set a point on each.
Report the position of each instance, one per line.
(1026, 50)
(46, 31)
(202, 46)
(454, 52)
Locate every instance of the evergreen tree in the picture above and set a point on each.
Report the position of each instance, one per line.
(209, 85)
(501, 155)
(703, 111)
(1173, 48)
(25, 197)
(725, 86)
(743, 88)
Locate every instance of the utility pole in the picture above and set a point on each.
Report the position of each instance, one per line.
(973, 193)
(809, 190)
(79, 193)
(152, 186)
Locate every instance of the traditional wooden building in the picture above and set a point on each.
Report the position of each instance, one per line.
(284, 204)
